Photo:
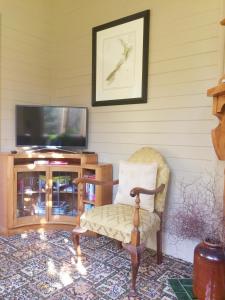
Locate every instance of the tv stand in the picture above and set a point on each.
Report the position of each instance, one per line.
(50, 149)
(37, 189)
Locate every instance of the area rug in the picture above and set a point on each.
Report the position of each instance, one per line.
(43, 265)
(182, 288)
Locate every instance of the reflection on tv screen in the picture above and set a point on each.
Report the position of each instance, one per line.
(51, 126)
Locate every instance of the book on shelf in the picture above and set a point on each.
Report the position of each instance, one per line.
(88, 207)
(90, 188)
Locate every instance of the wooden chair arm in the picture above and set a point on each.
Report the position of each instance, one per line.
(135, 234)
(94, 181)
(138, 190)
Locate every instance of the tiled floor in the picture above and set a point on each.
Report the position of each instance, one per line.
(182, 288)
(42, 265)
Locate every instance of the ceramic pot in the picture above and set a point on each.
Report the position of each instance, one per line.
(209, 271)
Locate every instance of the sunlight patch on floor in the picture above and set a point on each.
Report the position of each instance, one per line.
(51, 268)
(24, 235)
(80, 267)
(41, 232)
(65, 277)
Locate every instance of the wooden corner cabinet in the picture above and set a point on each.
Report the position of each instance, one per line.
(38, 189)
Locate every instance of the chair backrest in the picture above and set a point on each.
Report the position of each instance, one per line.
(149, 155)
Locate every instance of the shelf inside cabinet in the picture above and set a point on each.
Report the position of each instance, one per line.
(63, 192)
(31, 193)
(89, 202)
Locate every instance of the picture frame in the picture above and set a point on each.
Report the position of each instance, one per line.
(120, 61)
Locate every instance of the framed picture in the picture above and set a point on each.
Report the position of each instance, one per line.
(120, 61)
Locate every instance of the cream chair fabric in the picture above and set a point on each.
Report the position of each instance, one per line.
(149, 155)
(116, 220)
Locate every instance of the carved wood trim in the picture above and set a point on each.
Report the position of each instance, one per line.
(135, 234)
(218, 134)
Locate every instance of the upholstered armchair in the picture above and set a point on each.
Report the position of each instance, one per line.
(135, 217)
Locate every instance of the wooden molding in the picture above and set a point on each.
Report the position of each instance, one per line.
(218, 134)
(222, 22)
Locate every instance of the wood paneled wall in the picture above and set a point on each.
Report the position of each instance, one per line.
(25, 63)
(184, 61)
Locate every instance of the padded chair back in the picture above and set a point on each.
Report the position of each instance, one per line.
(149, 155)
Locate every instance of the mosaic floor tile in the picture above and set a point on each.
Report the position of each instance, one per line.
(168, 274)
(43, 265)
(122, 277)
(22, 255)
(61, 296)
(59, 253)
(23, 293)
(8, 266)
(98, 272)
(111, 291)
(119, 262)
(101, 241)
(35, 265)
(6, 248)
(102, 254)
(12, 283)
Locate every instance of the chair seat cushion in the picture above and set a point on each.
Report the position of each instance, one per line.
(116, 221)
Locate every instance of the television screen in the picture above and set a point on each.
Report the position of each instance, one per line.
(51, 126)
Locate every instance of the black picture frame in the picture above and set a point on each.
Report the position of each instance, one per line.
(120, 52)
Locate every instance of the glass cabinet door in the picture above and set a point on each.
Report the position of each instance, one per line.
(64, 200)
(45, 194)
(30, 195)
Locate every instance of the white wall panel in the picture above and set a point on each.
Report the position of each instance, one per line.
(25, 60)
(184, 56)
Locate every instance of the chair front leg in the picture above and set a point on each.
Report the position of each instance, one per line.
(119, 244)
(76, 233)
(135, 263)
(76, 243)
(134, 247)
(135, 253)
(159, 247)
(159, 240)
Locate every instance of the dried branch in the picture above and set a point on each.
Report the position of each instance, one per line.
(199, 214)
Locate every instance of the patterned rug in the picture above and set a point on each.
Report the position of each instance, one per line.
(42, 265)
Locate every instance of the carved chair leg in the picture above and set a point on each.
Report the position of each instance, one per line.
(76, 242)
(159, 247)
(76, 233)
(119, 244)
(135, 252)
(135, 263)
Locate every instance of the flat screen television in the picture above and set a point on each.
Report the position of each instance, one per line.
(51, 126)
